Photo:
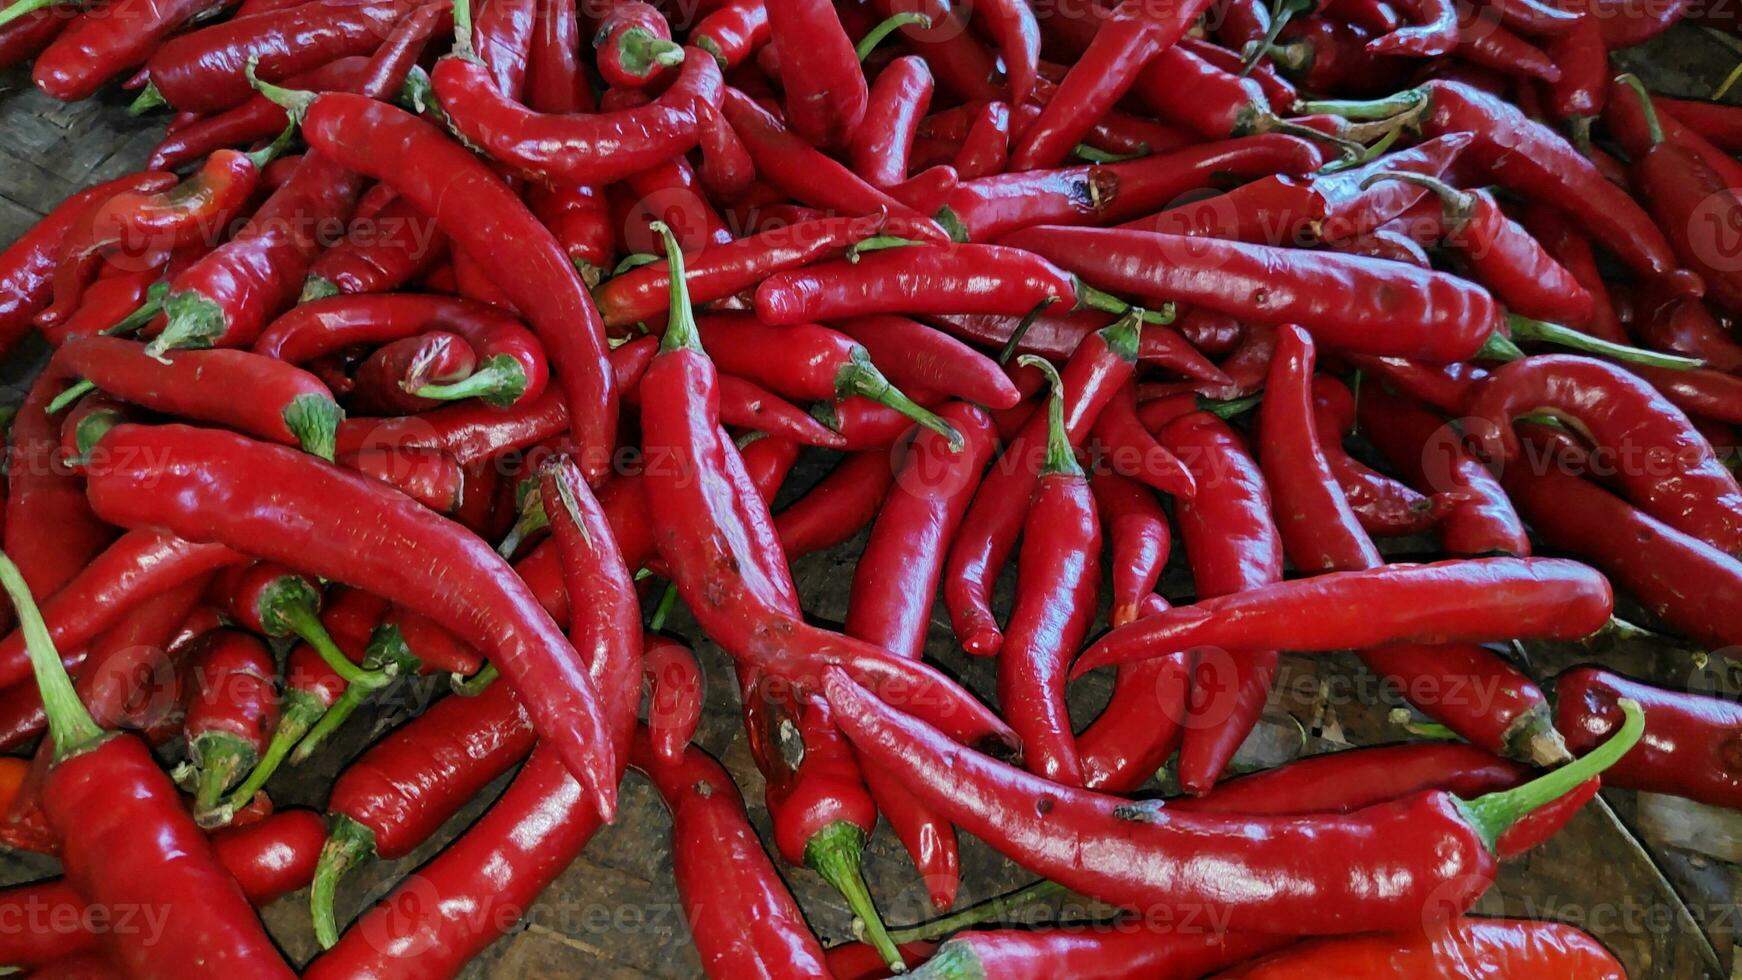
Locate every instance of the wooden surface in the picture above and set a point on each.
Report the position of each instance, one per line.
(615, 912)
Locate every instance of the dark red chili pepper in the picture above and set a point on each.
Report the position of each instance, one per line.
(126, 840)
(1681, 579)
(732, 32)
(1385, 507)
(49, 528)
(94, 49)
(109, 303)
(1516, 598)
(878, 149)
(958, 279)
(1183, 89)
(1716, 122)
(1668, 469)
(1096, 371)
(1583, 59)
(1493, 47)
(232, 709)
(286, 404)
(386, 380)
(1436, 852)
(987, 209)
(1569, 247)
(985, 149)
(1534, 16)
(1326, 55)
(806, 174)
(429, 476)
(405, 537)
(395, 246)
(1449, 388)
(1627, 22)
(23, 37)
(1687, 326)
(1346, 302)
(478, 212)
(1515, 947)
(1435, 32)
(1057, 336)
(1690, 748)
(634, 45)
(915, 355)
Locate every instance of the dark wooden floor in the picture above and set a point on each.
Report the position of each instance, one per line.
(1644, 874)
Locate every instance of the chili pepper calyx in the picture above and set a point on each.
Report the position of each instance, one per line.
(1060, 457)
(956, 959)
(1124, 336)
(1493, 814)
(147, 311)
(951, 222)
(89, 431)
(1390, 107)
(1090, 298)
(888, 26)
(640, 51)
(471, 687)
(1457, 205)
(861, 377)
(348, 844)
(149, 98)
(1532, 738)
(498, 382)
(531, 520)
(294, 102)
(220, 758)
(835, 852)
(681, 331)
(298, 712)
(317, 287)
(314, 420)
(72, 726)
(193, 321)
(1499, 347)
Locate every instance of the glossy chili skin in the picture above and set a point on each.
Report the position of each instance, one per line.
(1117, 951)
(204, 71)
(1665, 467)
(24, 37)
(1104, 847)
(384, 383)
(109, 301)
(140, 564)
(1056, 336)
(1519, 598)
(286, 404)
(1688, 197)
(470, 432)
(1510, 261)
(478, 212)
(1569, 246)
(1100, 366)
(1691, 741)
(985, 149)
(1129, 449)
(674, 702)
(732, 32)
(1681, 579)
(838, 507)
(914, 355)
(1384, 506)
(49, 529)
(801, 361)
(1715, 121)
(392, 247)
(1688, 327)
(258, 118)
(1426, 450)
(742, 918)
(1346, 302)
(1449, 387)
(825, 90)
(400, 541)
(809, 176)
(879, 148)
(1503, 947)
(231, 700)
(268, 859)
(957, 279)
(92, 50)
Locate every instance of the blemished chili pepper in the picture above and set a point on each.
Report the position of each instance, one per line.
(957, 279)
(399, 792)
(384, 252)
(1675, 476)
(1345, 302)
(1385, 507)
(384, 384)
(1678, 577)
(1058, 573)
(1519, 598)
(286, 404)
(1120, 949)
(1690, 745)
(205, 70)
(915, 355)
(838, 507)
(879, 148)
(825, 90)
(1094, 374)
(807, 175)
(232, 710)
(1126, 446)
(404, 539)
(987, 209)
(696, 518)
(1477, 518)
(478, 212)
(1457, 948)
(125, 839)
(732, 32)
(1436, 852)
(1057, 336)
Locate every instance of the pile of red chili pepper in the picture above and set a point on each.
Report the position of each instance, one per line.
(463, 340)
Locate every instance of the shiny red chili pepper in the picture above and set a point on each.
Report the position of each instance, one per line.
(1384, 506)
(232, 709)
(1557, 235)
(94, 49)
(1497, 49)
(472, 433)
(1126, 445)
(672, 193)
(825, 91)
(405, 537)
(1184, 89)
(1435, 32)
(256, 119)
(1517, 598)
(879, 148)
(1583, 90)
(1687, 326)
(674, 704)
(917, 356)
(125, 838)
(21, 39)
(838, 507)
(810, 177)
(109, 303)
(1133, 948)
(1717, 122)
(479, 212)
(634, 45)
(985, 148)
(1534, 16)
(1100, 366)
(1664, 466)
(395, 246)
(1690, 747)
(1436, 852)
(1057, 336)
(1326, 55)
(726, 171)
(1515, 947)
(384, 384)
(957, 279)
(429, 476)
(732, 32)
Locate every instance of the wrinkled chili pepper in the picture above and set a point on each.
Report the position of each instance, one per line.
(388, 379)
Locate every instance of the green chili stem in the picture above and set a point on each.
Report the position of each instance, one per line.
(69, 723)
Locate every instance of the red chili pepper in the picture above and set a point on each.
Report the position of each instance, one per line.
(1569, 247)
(1384, 506)
(958, 279)
(746, 405)
(93, 50)
(1057, 336)
(1437, 852)
(232, 709)
(1434, 34)
(917, 356)
(110, 303)
(405, 538)
(674, 706)
(1717, 122)
(819, 71)
(807, 175)
(1346, 302)
(285, 404)
(1687, 326)
(1126, 445)
(732, 32)
(1583, 59)
(125, 839)
(1478, 519)
(22, 38)
(1690, 747)
(1449, 388)
(1502, 946)
(429, 476)
(1665, 466)
(879, 147)
(987, 209)
(634, 45)
(479, 212)
(1183, 89)
(1534, 16)
(470, 433)
(1094, 374)
(838, 507)
(385, 381)
(387, 250)
(1679, 578)
(1325, 55)
(726, 172)
(1517, 598)
(1494, 47)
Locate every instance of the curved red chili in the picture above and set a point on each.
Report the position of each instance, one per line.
(256, 119)
(825, 91)
(394, 246)
(879, 148)
(1057, 335)
(1514, 947)
(838, 507)
(915, 355)
(1127, 447)
(1690, 746)
(232, 709)
(1384, 506)
(732, 32)
(387, 380)
(674, 703)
